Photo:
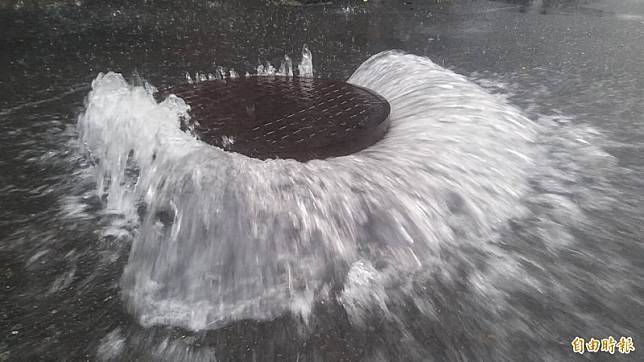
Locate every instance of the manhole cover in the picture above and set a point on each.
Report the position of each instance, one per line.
(285, 117)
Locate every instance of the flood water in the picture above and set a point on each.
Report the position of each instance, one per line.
(501, 216)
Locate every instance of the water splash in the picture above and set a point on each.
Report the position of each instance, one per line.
(265, 69)
(189, 78)
(286, 68)
(226, 237)
(123, 164)
(305, 68)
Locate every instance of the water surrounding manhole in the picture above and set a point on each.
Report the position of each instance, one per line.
(285, 117)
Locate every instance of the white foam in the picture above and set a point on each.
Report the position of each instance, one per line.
(226, 237)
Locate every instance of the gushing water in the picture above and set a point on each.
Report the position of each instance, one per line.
(225, 237)
(461, 210)
(305, 68)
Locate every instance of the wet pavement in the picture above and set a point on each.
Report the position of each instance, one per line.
(578, 62)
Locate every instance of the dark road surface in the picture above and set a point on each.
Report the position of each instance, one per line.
(577, 66)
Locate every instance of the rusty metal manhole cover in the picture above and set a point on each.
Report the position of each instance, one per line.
(285, 117)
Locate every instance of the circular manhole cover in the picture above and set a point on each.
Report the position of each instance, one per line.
(285, 117)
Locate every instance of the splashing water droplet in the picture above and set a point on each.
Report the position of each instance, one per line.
(226, 237)
(286, 68)
(305, 68)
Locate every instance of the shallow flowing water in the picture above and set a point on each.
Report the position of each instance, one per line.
(499, 218)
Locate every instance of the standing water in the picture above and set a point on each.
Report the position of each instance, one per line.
(489, 224)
